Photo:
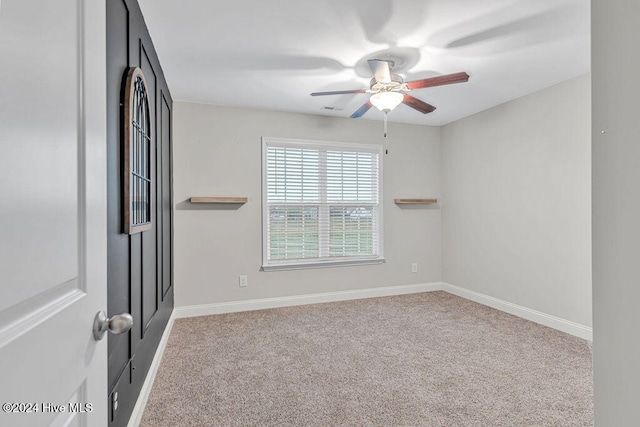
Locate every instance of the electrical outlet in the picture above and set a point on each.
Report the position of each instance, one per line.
(243, 281)
(414, 267)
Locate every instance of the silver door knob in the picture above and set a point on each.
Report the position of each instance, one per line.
(118, 324)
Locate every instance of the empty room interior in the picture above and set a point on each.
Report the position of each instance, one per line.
(505, 159)
(330, 212)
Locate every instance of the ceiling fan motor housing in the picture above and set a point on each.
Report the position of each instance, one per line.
(396, 84)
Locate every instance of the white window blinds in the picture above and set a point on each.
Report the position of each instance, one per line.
(321, 203)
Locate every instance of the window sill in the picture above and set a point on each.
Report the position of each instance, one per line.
(321, 264)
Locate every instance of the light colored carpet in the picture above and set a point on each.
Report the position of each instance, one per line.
(430, 359)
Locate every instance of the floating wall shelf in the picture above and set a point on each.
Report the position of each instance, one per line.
(227, 200)
(415, 201)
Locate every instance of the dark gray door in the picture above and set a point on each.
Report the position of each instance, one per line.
(139, 274)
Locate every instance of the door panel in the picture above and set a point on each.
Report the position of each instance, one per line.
(165, 162)
(118, 247)
(52, 257)
(149, 282)
(30, 258)
(140, 268)
(149, 252)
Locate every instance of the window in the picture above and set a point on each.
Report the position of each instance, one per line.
(137, 154)
(321, 204)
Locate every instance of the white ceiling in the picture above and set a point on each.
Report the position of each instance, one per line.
(271, 54)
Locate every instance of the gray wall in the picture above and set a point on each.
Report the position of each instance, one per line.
(516, 202)
(616, 211)
(217, 152)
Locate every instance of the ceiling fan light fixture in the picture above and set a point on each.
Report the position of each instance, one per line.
(386, 101)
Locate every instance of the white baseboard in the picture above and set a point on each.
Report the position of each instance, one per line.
(264, 303)
(558, 323)
(138, 410)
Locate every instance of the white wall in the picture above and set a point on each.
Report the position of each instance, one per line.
(217, 152)
(516, 202)
(616, 212)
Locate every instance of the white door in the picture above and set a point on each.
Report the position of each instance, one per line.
(52, 212)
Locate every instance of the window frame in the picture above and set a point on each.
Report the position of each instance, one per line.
(306, 263)
(138, 154)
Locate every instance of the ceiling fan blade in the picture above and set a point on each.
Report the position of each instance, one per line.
(360, 112)
(381, 69)
(416, 104)
(438, 81)
(338, 92)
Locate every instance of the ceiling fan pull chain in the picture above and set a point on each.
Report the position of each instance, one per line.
(386, 140)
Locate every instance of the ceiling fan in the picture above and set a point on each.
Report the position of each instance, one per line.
(388, 89)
